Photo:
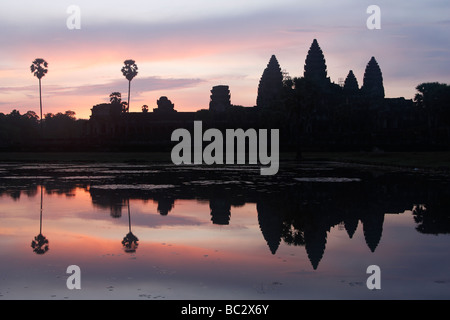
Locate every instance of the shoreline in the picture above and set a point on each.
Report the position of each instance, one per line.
(439, 161)
(432, 161)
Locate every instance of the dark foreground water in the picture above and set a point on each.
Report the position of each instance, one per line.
(151, 232)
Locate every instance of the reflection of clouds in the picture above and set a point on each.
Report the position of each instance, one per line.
(156, 221)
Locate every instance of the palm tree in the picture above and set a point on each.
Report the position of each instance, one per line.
(129, 70)
(39, 69)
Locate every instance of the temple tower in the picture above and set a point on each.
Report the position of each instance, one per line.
(351, 86)
(270, 85)
(220, 98)
(373, 80)
(315, 65)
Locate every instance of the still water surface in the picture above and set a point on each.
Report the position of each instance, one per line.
(141, 231)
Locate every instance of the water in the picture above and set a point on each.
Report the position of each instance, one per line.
(310, 232)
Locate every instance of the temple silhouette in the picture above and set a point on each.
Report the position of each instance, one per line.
(311, 111)
(315, 66)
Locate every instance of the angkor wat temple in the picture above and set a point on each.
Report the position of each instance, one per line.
(312, 113)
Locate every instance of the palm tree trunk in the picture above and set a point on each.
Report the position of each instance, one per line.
(40, 102)
(129, 86)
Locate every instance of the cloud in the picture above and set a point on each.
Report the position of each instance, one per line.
(80, 98)
(138, 84)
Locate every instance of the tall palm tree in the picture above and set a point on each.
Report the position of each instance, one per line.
(39, 69)
(129, 70)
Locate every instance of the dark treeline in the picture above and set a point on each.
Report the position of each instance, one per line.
(308, 118)
(24, 131)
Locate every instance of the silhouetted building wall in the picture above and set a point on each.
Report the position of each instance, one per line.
(319, 116)
(109, 127)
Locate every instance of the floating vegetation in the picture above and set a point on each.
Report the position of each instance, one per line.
(327, 179)
(133, 186)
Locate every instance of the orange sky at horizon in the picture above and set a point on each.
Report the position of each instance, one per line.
(106, 70)
(60, 94)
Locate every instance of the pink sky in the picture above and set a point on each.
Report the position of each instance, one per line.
(182, 51)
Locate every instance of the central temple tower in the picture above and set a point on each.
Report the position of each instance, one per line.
(315, 66)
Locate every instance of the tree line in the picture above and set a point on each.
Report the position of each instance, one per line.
(26, 129)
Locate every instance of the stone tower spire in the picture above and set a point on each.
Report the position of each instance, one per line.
(315, 65)
(373, 80)
(351, 84)
(271, 85)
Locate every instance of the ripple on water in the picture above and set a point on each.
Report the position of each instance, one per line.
(327, 179)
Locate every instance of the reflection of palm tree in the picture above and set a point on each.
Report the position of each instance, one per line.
(39, 69)
(40, 243)
(129, 70)
(130, 241)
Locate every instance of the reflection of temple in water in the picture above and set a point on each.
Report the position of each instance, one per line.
(300, 215)
(372, 228)
(271, 225)
(220, 211)
(165, 204)
(108, 199)
(315, 241)
(114, 201)
(309, 226)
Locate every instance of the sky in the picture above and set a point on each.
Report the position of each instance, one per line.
(184, 48)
